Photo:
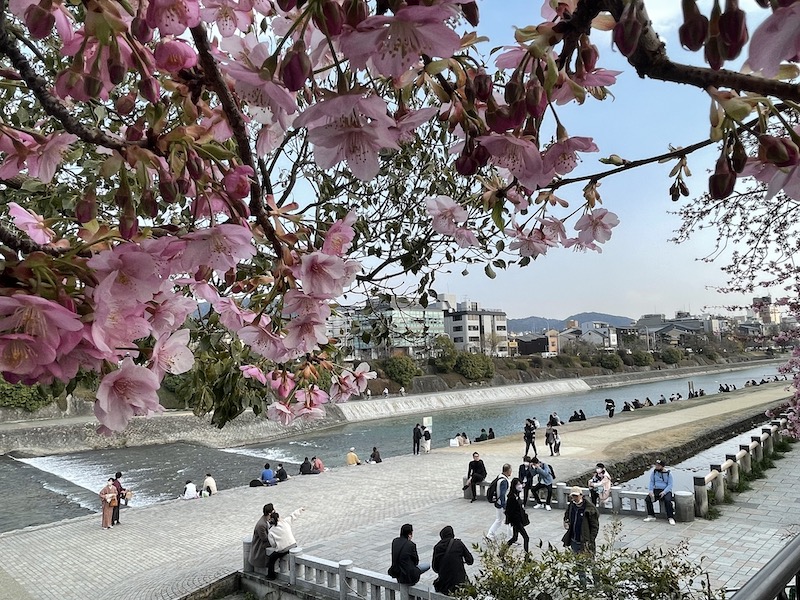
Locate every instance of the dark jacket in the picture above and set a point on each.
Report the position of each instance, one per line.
(514, 511)
(476, 470)
(258, 550)
(590, 526)
(404, 561)
(448, 561)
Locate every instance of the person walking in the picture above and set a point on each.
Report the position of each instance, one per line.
(516, 516)
(529, 436)
(426, 439)
(476, 472)
(281, 538)
(599, 485)
(545, 474)
(503, 484)
(108, 499)
(582, 523)
(258, 547)
(556, 442)
(610, 407)
(406, 567)
(416, 438)
(660, 489)
(449, 556)
(549, 438)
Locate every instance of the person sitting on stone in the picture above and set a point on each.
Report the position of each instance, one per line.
(268, 475)
(281, 474)
(352, 458)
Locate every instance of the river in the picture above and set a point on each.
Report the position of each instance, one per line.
(46, 489)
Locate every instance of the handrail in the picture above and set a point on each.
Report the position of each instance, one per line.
(771, 580)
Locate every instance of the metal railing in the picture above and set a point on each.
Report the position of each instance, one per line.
(779, 579)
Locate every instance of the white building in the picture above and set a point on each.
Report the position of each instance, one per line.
(474, 329)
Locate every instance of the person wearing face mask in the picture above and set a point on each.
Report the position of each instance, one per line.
(516, 516)
(526, 476)
(600, 485)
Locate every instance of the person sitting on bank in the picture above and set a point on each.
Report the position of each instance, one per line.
(281, 538)
(483, 436)
(317, 465)
(659, 488)
(306, 468)
(209, 485)
(582, 415)
(189, 491)
(465, 438)
(352, 458)
(574, 417)
(268, 475)
(375, 457)
(628, 407)
(490, 435)
(281, 474)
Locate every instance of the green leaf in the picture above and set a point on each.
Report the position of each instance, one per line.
(489, 272)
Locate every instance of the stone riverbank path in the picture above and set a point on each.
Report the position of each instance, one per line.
(175, 548)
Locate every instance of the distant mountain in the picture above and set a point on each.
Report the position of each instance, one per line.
(538, 324)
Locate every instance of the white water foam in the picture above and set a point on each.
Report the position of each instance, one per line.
(277, 455)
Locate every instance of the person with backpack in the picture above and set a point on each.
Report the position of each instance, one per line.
(546, 476)
(406, 567)
(529, 436)
(449, 556)
(476, 472)
(426, 439)
(497, 493)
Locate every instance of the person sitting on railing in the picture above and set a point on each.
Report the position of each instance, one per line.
(660, 488)
(600, 485)
(449, 556)
(406, 567)
(281, 538)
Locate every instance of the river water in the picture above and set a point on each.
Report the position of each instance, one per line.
(46, 489)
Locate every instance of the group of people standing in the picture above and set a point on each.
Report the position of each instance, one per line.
(111, 497)
(421, 438)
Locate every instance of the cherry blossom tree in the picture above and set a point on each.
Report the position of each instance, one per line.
(192, 185)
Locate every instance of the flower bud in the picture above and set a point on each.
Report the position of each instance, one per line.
(503, 118)
(781, 152)
(124, 105)
(471, 13)
(141, 30)
(481, 155)
(39, 21)
(148, 206)
(194, 165)
(135, 132)
(589, 54)
(287, 5)
(330, 19)
(628, 29)
(722, 181)
(466, 165)
(86, 208)
(713, 53)
(732, 30)
(738, 156)
(149, 89)
(296, 67)
(694, 31)
(535, 99)
(514, 91)
(483, 86)
(184, 185)
(355, 11)
(92, 86)
(128, 226)
(168, 190)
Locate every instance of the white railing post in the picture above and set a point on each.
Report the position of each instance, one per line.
(746, 461)
(718, 484)
(294, 567)
(758, 451)
(247, 543)
(700, 497)
(344, 581)
(733, 472)
(616, 500)
(769, 448)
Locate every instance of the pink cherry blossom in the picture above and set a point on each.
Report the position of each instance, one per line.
(263, 341)
(519, 155)
(295, 302)
(304, 334)
(220, 248)
(362, 375)
(324, 276)
(280, 412)
(253, 372)
(352, 128)
(465, 238)
(446, 213)
(128, 391)
(173, 17)
(554, 230)
(775, 40)
(169, 311)
(530, 242)
(410, 121)
(231, 315)
(237, 181)
(228, 15)
(32, 224)
(46, 321)
(117, 322)
(171, 354)
(44, 160)
(339, 237)
(343, 387)
(595, 226)
(282, 383)
(133, 272)
(393, 44)
(24, 355)
(562, 157)
(174, 55)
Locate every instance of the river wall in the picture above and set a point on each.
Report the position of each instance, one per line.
(379, 408)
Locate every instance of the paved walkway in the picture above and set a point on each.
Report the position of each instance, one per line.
(174, 548)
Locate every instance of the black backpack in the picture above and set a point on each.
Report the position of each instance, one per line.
(552, 473)
(491, 491)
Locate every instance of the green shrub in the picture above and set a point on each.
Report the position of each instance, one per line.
(671, 356)
(474, 366)
(642, 358)
(445, 354)
(400, 368)
(611, 361)
(26, 397)
(521, 365)
(537, 362)
(565, 360)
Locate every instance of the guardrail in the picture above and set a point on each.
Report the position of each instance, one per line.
(329, 579)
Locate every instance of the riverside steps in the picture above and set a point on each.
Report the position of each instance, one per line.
(177, 548)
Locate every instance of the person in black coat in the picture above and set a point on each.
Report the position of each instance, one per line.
(406, 567)
(476, 472)
(515, 513)
(449, 556)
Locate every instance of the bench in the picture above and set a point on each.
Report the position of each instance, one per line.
(480, 488)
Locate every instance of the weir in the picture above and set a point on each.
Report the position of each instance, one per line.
(381, 408)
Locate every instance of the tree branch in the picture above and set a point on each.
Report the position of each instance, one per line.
(23, 244)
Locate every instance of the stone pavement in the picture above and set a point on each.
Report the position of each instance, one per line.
(174, 548)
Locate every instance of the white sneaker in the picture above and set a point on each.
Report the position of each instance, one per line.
(648, 519)
(537, 506)
(547, 507)
(672, 521)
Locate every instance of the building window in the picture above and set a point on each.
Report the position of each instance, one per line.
(474, 328)
(458, 328)
(456, 317)
(500, 328)
(458, 340)
(475, 338)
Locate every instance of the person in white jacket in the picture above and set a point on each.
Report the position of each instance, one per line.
(281, 539)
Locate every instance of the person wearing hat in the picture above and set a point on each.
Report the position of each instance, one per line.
(660, 488)
(582, 523)
(352, 458)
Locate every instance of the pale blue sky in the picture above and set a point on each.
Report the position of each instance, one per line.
(639, 271)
